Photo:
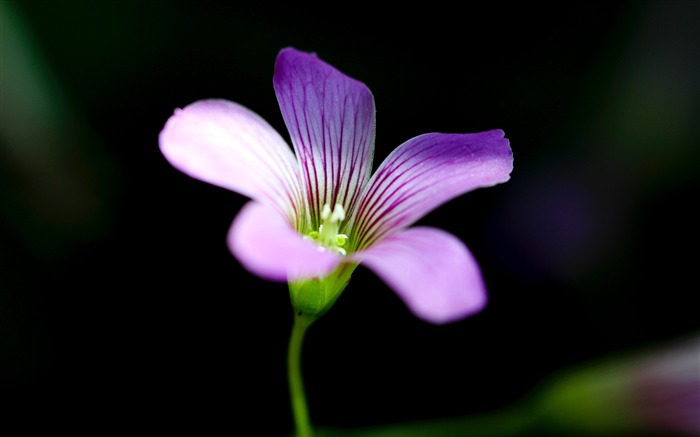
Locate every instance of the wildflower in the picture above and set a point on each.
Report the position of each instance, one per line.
(317, 212)
(651, 391)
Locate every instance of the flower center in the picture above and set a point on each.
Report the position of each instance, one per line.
(327, 235)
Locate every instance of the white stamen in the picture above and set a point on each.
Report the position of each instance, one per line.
(325, 212)
(327, 236)
(338, 213)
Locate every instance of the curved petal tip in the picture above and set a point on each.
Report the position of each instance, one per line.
(432, 271)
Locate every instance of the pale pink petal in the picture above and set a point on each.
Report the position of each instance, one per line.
(331, 121)
(265, 243)
(431, 270)
(226, 144)
(425, 172)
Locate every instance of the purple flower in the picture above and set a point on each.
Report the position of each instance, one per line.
(318, 211)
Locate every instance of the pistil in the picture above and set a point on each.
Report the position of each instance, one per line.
(327, 235)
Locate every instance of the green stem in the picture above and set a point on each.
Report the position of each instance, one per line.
(296, 384)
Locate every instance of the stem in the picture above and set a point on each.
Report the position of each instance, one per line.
(296, 384)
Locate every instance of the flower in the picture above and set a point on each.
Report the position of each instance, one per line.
(651, 391)
(317, 212)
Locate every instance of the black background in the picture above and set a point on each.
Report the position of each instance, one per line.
(121, 305)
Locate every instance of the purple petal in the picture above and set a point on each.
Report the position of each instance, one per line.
(431, 270)
(266, 244)
(330, 118)
(226, 144)
(425, 172)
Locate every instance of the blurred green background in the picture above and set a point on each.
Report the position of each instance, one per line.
(120, 305)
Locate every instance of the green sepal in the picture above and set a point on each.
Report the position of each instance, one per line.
(314, 296)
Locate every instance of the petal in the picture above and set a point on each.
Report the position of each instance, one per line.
(425, 172)
(431, 270)
(330, 118)
(226, 144)
(266, 244)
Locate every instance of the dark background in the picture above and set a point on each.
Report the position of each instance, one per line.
(120, 305)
